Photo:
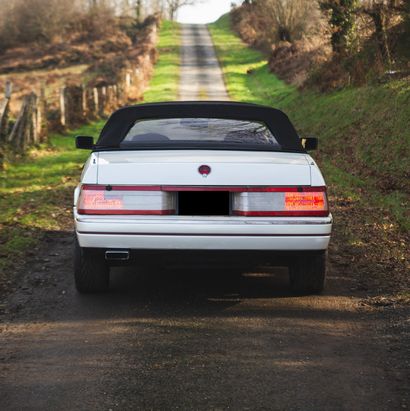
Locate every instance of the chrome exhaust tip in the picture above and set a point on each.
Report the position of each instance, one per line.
(117, 255)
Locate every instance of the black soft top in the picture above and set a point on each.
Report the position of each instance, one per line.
(122, 120)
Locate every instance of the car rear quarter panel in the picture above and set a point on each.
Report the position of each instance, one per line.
(316, 176)
(89, 174)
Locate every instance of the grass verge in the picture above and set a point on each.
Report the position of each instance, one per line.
(36, 192)
(364, 135)
(164, 84)
(364, 144)
(36, 195)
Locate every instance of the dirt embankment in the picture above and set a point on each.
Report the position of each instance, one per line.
(77, 59)
(302, 53)
(348, 99)
(293, 61)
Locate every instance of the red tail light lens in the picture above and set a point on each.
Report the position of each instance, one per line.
(162, 200)
(291, 201)
(305, 201)
(96, 200)
(125, 200)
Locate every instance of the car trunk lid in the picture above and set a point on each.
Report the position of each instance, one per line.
(182, 168)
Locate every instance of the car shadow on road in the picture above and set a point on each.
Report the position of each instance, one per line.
(45, 290)
(184, 292)
(197, 283)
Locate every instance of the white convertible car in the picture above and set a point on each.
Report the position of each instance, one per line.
(200, 181)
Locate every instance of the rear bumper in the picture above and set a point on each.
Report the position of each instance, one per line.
(208, 259)
(202, 242)
(203, 233)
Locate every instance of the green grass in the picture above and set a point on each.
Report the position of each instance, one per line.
(36, 192)
(364, 132)
(164, 84)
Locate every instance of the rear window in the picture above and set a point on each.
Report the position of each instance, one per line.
(200, 132)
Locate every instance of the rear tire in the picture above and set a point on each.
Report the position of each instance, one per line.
(308, 274)
(91, 272)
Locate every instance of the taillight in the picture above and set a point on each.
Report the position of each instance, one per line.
(292, 201)
(126, 200)
(305, 201)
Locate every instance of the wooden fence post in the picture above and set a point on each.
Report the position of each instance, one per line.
(63, 121)
(115, 96)
(23, 132)
(127, 84)
(111, 99)
(101, 101)
(84, 101)
(96, 101)
(4, 120)
(4, 116)
(90, 103)
(71, 106)
(34, 136)
(4, 111)
(8, 90)
(42, 125)
(153, 34)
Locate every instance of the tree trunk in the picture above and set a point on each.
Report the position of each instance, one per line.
(342, 20)
(284, 34)
(378, 15)
(139, 10)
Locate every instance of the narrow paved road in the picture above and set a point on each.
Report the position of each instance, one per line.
(189, 338)
(201, 76)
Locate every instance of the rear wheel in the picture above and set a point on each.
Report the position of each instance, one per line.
(308, 274)
(91, 272)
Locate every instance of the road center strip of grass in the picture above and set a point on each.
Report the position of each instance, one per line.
(36, 192)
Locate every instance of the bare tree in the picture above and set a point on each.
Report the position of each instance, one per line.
(380, 11)
(27, 21)
(288, 19)
(139, 10)
(39, 19)
(174, 5)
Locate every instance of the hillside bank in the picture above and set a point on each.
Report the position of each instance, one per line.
(364, 154)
